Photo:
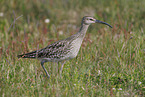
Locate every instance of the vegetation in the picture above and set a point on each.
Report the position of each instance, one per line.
(111, 62)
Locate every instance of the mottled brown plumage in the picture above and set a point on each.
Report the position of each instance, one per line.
(64, 49)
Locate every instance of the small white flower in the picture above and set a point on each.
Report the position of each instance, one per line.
(99, 72)
(113, 89)
(113, 74)
(139, 82)
(131, 32)
(1, 14)
(120, 89)
(75, 84)
(47, 20)
(60, 32)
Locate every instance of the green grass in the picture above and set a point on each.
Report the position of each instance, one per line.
(111, 62)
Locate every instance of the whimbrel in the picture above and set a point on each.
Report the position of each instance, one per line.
(64, 49)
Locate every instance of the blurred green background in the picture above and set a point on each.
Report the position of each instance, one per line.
(111, 62)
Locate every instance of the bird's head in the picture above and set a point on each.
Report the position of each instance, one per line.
(89, 20)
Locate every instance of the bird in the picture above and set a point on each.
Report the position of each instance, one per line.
(65, 49)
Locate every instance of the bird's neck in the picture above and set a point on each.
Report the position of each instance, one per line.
(83, 30)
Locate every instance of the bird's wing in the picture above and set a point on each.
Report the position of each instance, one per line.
(53, 51)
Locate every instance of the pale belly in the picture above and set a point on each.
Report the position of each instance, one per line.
(76, 44)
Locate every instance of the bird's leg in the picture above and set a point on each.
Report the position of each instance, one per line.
(62, 67)
(53, 68)
(57, 68)
(42, 64)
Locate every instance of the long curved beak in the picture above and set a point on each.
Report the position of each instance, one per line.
(97, 21)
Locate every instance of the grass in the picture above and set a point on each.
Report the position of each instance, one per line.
(111, 62)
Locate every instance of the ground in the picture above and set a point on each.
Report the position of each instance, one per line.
(111, 62)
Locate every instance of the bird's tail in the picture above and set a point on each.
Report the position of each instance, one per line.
(28, 55)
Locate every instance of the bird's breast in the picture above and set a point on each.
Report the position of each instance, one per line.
(75, 46)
